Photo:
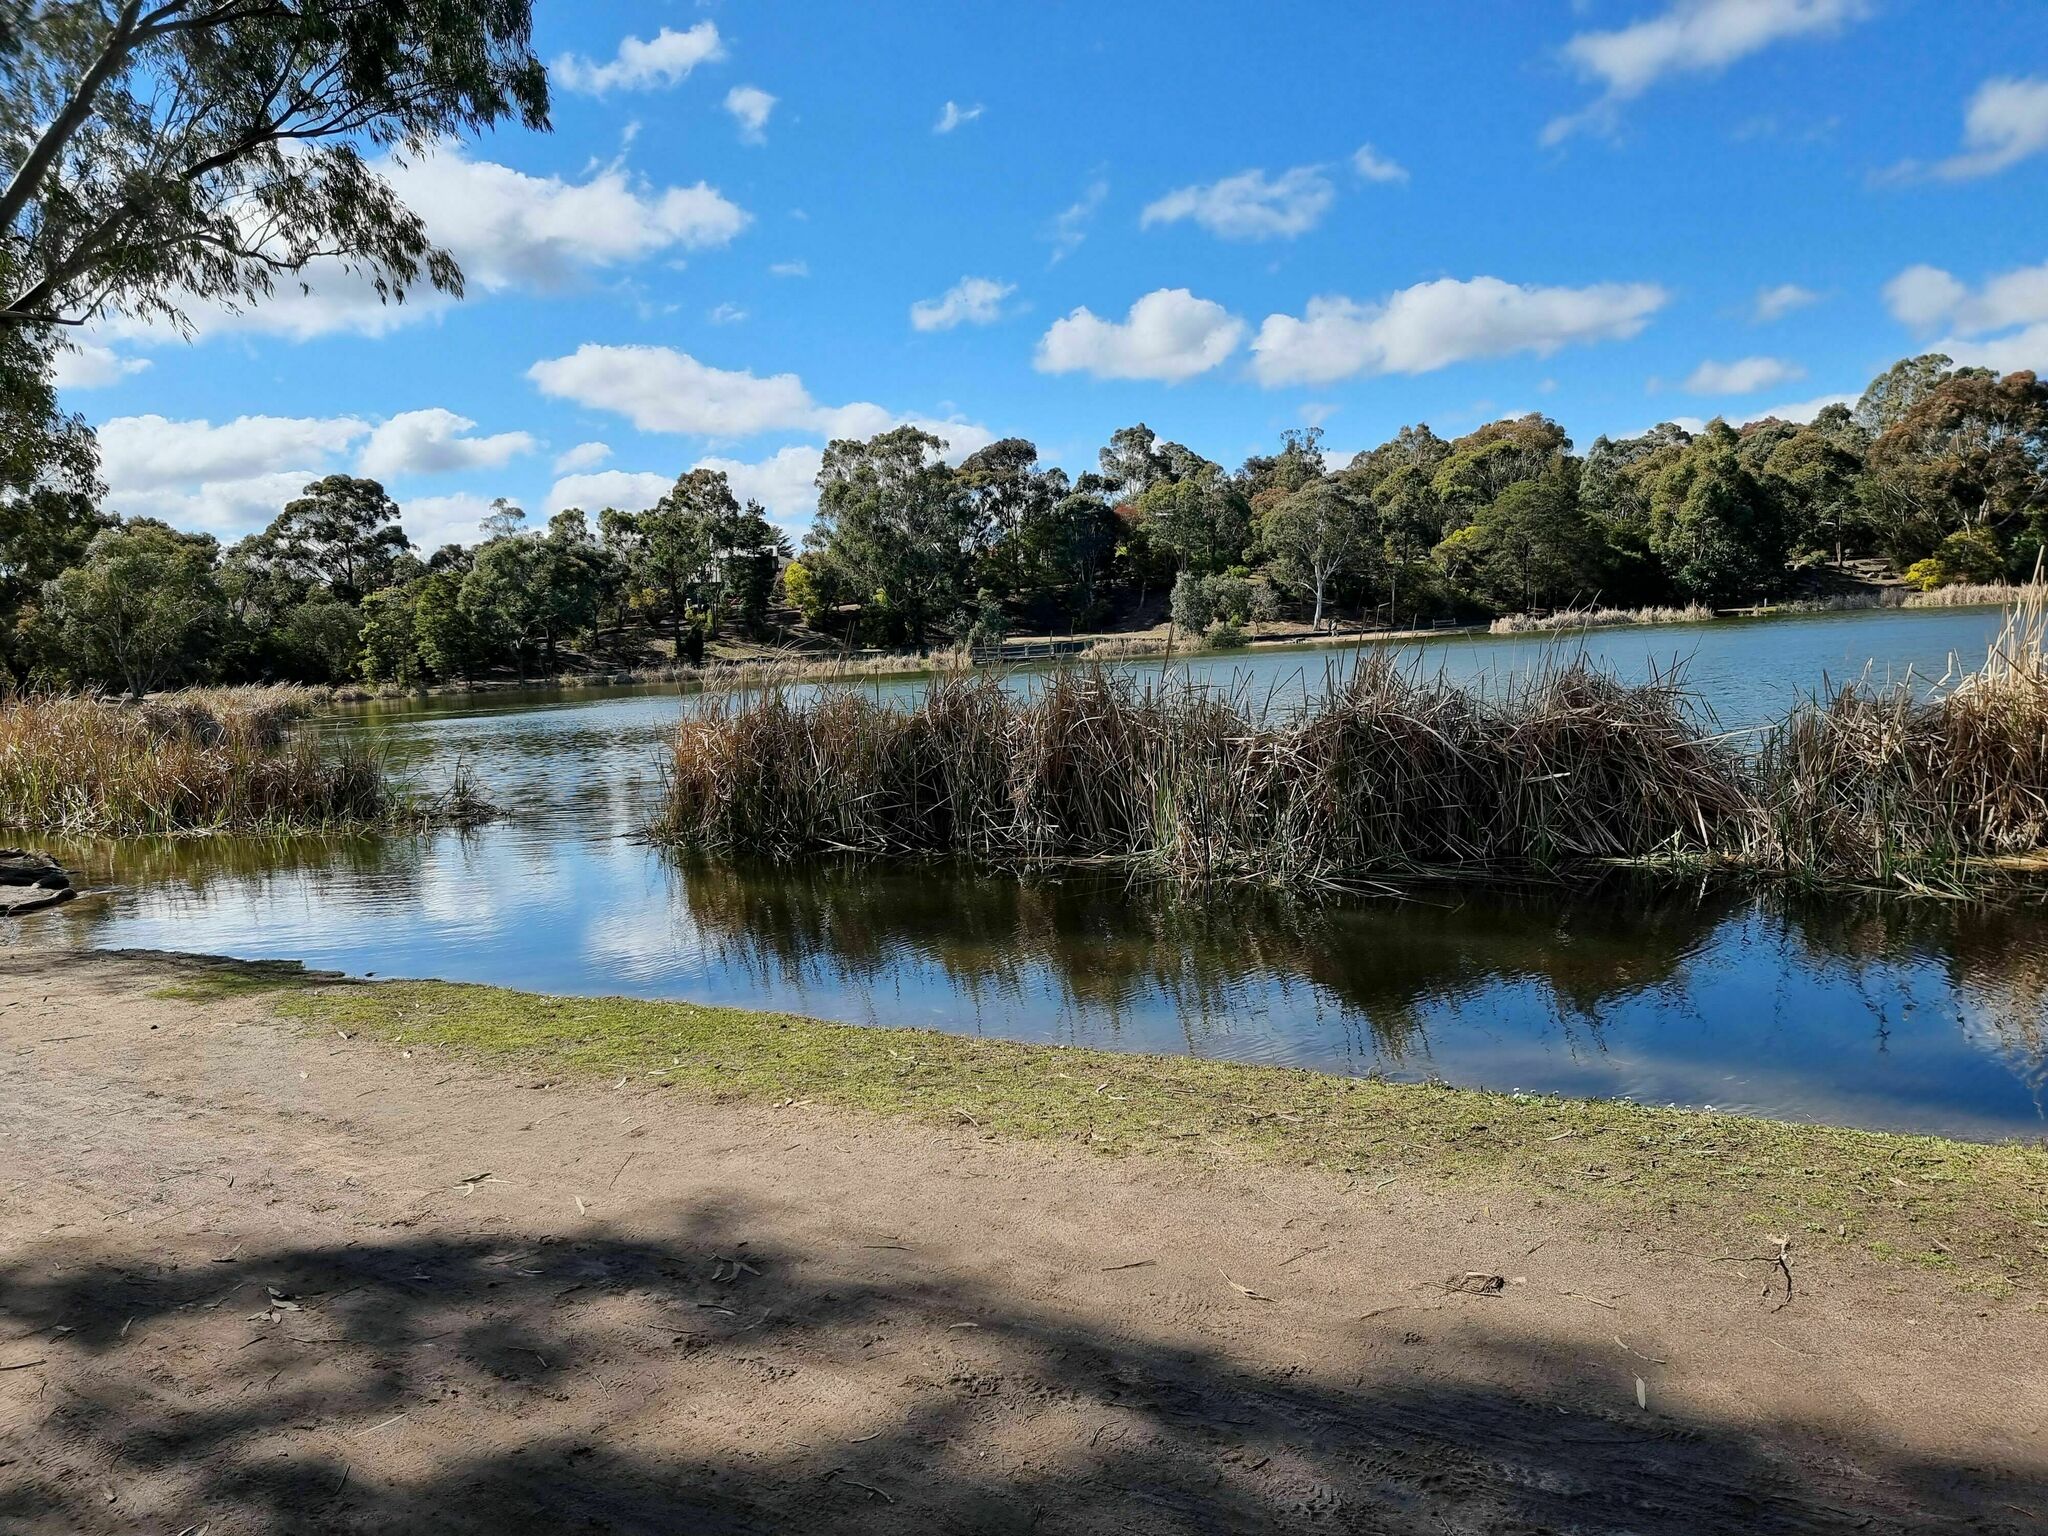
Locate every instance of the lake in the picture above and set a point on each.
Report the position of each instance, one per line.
(1882, 1012)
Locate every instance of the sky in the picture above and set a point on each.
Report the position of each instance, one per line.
(758, 225)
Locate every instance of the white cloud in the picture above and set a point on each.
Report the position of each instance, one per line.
(2005, 123)
(435, 442)
(2002, 325)
(1779, 300)
(727, 313)
(153, 452)
(1432, 325)
(1924, 296)
(582, 456)
(508, 230)
(785, 483)
(1744, 376)
(971, 301)
(1169, 335)
(431, 521)
(1374, 166)
(226, 479)
(624, 489)
(952, 115)
(1689, 36)
(664, 60)
(1070, 225)
(659, 389)
(1800, 412)
(750, 106)
(88, 365)
(1249, 205)
(790, 269)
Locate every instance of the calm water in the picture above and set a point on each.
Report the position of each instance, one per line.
(1890, 1013)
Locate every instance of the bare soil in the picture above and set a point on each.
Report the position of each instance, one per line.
(253, 1280)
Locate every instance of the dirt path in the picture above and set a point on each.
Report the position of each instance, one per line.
(252, 1281)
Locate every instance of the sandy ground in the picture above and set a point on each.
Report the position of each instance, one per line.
(253, 1281)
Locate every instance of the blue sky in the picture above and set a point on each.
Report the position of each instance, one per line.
(759, 225)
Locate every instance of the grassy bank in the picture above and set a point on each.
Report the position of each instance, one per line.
(1979, 1212)
(1389, 773)
(208, 760)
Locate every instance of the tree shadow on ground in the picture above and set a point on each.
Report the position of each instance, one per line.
(705, 1383)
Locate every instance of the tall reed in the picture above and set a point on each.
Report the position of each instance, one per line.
(206, 760)
(1386, 773)
(1598, 618)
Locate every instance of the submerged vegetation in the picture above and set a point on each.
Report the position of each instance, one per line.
(1387, 774)
(218, 760)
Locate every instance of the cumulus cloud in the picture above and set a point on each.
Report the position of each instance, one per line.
(431, 521)
(1432, 325)
(89, 365)
(1744, 376)
(1374, 166)
(1168, 335)
(666, 59)
(509, 231)
(659, 389)
(1250, 205)
(750, 107)
(2006, 122)
(1779, 300)
(626, 490)
(2001, 324)
(952, 115)
(1687, 37)
(435, 442)
(582, 456)
(785, 483)
(226, 479)
(971, 301)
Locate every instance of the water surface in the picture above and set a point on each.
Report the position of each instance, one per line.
(1891, 1013)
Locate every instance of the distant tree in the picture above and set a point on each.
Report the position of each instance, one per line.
(140, 610)
(1200, 515)
(1899, 388)
(1718, 528)
(677, 544)
(341, 533)
(388, 640)
(1314, 535)
(1819, 473)
(1972, 451)
(1532, 546)
(895, 530)
(176, 152)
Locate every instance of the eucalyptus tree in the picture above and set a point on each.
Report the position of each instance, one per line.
(164, 154)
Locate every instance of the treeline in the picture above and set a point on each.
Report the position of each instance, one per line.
(333, 591)
(1942, 471)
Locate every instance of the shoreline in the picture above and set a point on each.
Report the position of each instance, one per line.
(1110, 647)
(1965, 1209)
(344, 1267)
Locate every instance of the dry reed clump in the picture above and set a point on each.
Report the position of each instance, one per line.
(1385, 774)
(1597, 618)
(213, 760)
(1979, 594)
(1884, 783)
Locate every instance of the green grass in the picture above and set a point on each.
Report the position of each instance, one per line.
(1981, 1211)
